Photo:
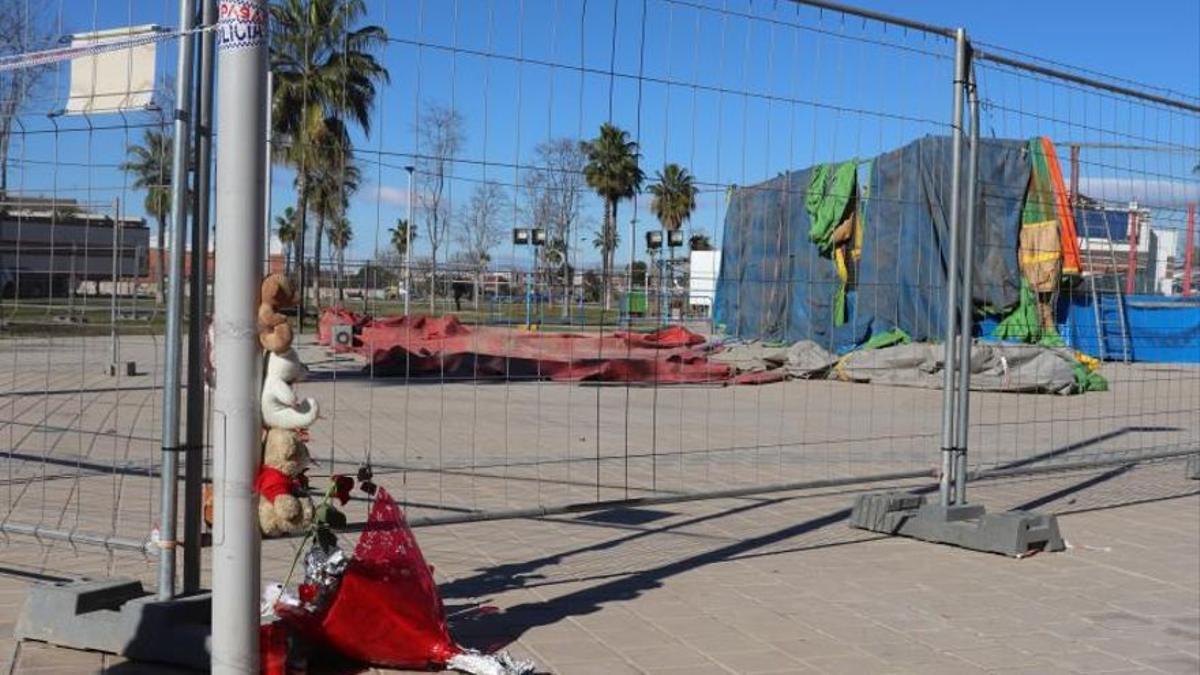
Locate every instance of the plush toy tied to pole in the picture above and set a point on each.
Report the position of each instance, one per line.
(274, 331)
(283, 503)
(281, 409)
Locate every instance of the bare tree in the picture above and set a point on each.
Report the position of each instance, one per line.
(555, 190)
(481, 228)
(440, 138)
(22, 29)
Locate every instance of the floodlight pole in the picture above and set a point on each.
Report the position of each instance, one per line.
(952, 254)
(241, 156)
(966, 305)
(174, 338)
(664, 308)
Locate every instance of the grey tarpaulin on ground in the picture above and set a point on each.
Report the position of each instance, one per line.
(994, 367)
(804, 359)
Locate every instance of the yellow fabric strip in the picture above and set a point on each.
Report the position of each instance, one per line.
(1034, 258)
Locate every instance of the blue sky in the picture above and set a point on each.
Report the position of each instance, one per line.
(737, 91)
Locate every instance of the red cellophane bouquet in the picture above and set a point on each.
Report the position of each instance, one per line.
(385, 609)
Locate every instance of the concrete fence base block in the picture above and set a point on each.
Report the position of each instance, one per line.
(1193, 467)
(1012, 533)
(118, 616)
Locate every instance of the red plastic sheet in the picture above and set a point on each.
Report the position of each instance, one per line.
(443, 347)
(337, 316)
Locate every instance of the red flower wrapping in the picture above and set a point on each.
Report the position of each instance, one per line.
(272, 648)
(387, 611)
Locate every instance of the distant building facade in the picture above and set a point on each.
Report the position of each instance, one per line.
(50, 246)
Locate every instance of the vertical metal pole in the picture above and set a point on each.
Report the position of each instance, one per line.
(1131, 260)
(174, 340)
(629, 278)
(408, 232)
(1074, 176)
(193, 481)
(267, 178)
(966, 304)
(952, 253)
(241, 154)
(112, 298)
(1189, 249)
(529, 295)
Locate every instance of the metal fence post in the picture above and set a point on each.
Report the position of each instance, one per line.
(112, 296)
(952, 255)
(174, 339)
(193, 483)
(967, 305)
(241, 153)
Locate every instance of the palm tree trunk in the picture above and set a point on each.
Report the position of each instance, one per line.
(341, 275)
(607, 257)
(302, 227)
(317, 262)
(162, 261)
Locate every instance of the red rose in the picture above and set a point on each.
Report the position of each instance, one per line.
(342, 487)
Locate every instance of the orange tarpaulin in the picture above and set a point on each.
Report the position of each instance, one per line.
(1063, 210)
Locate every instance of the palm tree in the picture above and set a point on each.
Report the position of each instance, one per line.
(700, 242)
(325, 72)
(329, 196)
(612, 171)
(285, 229)
(674, 197)
(401, 236)
(150, 163)
(340, 234)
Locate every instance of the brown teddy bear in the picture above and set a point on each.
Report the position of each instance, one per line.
(274, 331)
(282, 487)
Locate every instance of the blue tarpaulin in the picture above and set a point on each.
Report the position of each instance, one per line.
(1161, 329)
(775, 285)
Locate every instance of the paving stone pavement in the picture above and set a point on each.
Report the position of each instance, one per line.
(779, 584)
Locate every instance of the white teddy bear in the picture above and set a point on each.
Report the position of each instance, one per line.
(280, 408)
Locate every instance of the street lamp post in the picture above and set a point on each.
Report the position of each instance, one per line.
(408, 241)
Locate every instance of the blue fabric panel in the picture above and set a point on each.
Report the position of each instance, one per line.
(1162, 329)
(774, 285)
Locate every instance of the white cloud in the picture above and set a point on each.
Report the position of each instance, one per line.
(392, 196)
(1150, 192)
